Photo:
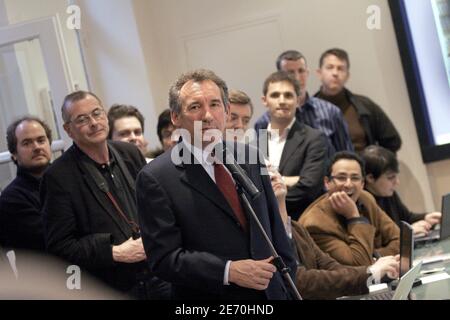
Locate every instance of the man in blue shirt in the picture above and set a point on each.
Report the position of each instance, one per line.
(312, 111)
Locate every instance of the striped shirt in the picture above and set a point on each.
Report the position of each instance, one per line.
(321, 115)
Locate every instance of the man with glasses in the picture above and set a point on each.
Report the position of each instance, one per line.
(88, 199)
(346, 222)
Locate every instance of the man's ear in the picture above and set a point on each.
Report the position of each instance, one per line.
(175, 117)
(67, 129)
(264, 101)
(326, 182)
(370, 178)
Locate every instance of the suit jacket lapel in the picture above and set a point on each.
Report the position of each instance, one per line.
(295, 138)
(195, 176)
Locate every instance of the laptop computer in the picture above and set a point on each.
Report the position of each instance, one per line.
(403, 288)
(408, 274)
(444, 231)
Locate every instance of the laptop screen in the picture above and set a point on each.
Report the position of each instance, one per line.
(406, 247)
(445, 220)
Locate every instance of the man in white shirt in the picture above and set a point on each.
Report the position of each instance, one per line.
(296, 150)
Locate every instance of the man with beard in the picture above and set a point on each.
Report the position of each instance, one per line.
(29, 140)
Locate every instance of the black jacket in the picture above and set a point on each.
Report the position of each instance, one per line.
(377, 126)
(81, 224)
(20, 216)
(304, 155)
(190, 231)
(395, 209)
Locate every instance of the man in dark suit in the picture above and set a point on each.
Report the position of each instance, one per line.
(88, 199)
(294, 149)
(194, 228)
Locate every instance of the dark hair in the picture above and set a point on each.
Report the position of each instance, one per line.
(281, 76)
(164, 121)
(341, 54)
(74, 97)
(379, 160)
(344, 155)
(290, 55)
(241, 98)
(197, 76)
(119, 111)
(11, 138)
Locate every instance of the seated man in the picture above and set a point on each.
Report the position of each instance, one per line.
(126, 124)
(318, 275)
(381, 181)
(296, 150)
(21, 225)
(346, 222)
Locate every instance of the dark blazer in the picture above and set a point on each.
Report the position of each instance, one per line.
(304, 155)
(80, 222)
(321, 277)
(190, 231)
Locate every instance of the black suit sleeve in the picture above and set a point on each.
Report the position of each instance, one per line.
(163, 242)
(310, 185)
(279, 238)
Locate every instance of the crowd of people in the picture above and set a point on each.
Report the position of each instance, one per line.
(171, 223)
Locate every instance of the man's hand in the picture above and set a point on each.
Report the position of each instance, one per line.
(421, 227)
(130, 251)
(253, 274)
(388, 265)
(291, 181)
(343, 205)
(433, 218)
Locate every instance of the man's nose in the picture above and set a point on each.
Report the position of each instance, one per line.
(207, 115)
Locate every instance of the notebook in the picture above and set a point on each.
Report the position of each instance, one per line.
(407, 274)
(403, 288)
(444, 231)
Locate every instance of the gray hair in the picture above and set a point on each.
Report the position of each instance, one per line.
(197, 76)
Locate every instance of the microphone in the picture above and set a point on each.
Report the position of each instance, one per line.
(239, 174)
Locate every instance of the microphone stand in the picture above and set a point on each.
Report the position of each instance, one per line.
(277, 261)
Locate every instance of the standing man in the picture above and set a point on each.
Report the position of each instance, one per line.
(296, 150)
(88, 199)
(367, 122)
(314, 112)
(21, 226)
(126, 123)
(196, 232)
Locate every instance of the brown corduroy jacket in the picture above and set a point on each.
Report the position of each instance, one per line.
(352, 244)
(320, 276)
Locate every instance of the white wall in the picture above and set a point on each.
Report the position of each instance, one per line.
(240, 40)
(115, 60)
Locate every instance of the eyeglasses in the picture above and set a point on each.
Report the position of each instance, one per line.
(344, 179)
(85, 119)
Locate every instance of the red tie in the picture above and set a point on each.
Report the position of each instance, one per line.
(226, 185)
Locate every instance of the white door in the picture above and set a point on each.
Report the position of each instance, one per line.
(34, 79)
